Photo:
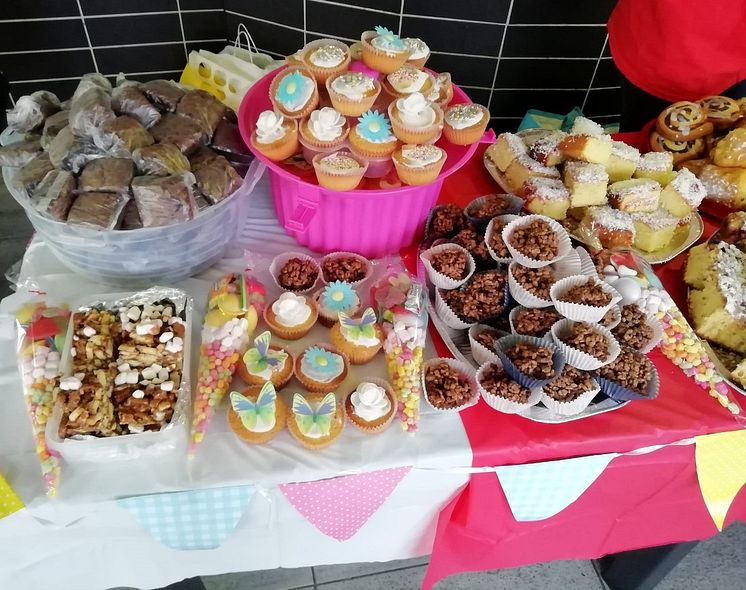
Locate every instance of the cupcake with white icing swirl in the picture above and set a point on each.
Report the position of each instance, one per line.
(415, 119)
(352, 93)
(420, 52)
(325, 128)
(275, 136)
(371, 405)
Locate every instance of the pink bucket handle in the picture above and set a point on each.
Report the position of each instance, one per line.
(305, 210)
(488, 136)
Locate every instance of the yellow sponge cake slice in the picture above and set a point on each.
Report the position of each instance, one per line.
(655, 165)
(622, 162)
(700, 265)
(683, 194)
(587, 183)
(636, 195)
(506, 149)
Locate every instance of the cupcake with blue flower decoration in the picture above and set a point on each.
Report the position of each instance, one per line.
(335, 297)
(293, 93)
(321, 368)
(372, 136)
(384, 50)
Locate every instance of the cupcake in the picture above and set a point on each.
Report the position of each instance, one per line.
(465, 123)
(372, 136)
(415, 119)
(274, 136)
(321, 368)
(407, 80)
(264, 363)
(442, 91)
(353, 93)
(418, 164)
(339, 171)
(325, 129)
(371, 406)
(359, 338)
(419, 52)
(257, 414)
(501, 392)
(291, 316)
(384, 50)
(356, 51)
(315, 421)
(325, 58)
(449, 384)
(333, 298)
(296, 272)
(293, 92)
(345, 266)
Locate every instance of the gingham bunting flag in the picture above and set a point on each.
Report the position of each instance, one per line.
(540, 490)
(194, 519)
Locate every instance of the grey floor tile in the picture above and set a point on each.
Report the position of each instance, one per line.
(715, 563)
(406, 579)
(277, 579)
(332, 573)
(11, 251)
(575, 574)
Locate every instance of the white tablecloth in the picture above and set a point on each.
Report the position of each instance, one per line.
(85, 540)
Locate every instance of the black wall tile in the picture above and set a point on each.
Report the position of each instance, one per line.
(544, 73)
(143, 58)
(345, 22)
(472, 71)
(554, 41)
(121, 30)
(203, 25)
(607, 51)
(603, 102)
(388, 5)
(266, 36)
(113, 7)
(505, 125)
(455, 37)
(494, 11)
(515, 103)
(197, 4)
(478, 95)
(607, 74)
(286, 12)
(10, 9)
(561, 11)
(36, 66)
(62, 88)
(214, 46)
(33, 35)
(148, 77)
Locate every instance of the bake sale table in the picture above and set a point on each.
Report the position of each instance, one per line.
(634, 476)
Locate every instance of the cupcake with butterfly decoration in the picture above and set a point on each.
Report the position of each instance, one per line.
(266, 362)
(257, 414)
(315, 421)
(359, 338)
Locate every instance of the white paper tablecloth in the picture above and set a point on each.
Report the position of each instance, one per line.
(85, 540)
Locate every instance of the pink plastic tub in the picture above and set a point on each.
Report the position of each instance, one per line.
(370, 222)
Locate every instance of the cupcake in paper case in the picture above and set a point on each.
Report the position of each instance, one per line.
(325, 58)
(257, 414)
(528, 321)
(293, 92)
(339, 171)
(353, 93)
(465, 123)
(346, 266)
(585, 346)
(587, 266)
(531, 286)
(384, 50)
(483, 209)
(611, 318)
(631, 376)
(265, 362)
(482, 340)
(570, 393)
(315, 420)
(275, 136)
(407, 80)
(291, 316)
(448, 306)
(294, 271)
(449, 385)
(321, 368)
(444, 221)
(448, 266)
(356, 51)
(360, 338)
(420, 52)
(482, 299)
(493, 238)
(415, 119)
(501, 392)
(325, 129)
(418, 164)
(536, 240)
(371, 406)
(372, 136)
(637, 330)
(582, 298)
(532, 362)
(442, 91)
(334, 298)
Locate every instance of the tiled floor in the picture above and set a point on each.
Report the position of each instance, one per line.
(718, 563)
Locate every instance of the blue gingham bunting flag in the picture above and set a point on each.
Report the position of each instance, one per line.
(540, 490)
(194, 519)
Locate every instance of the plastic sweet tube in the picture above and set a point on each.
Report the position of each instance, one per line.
(234, 305)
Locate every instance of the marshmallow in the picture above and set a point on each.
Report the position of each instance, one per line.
(124, 367)
(138, 394)
(38, 372)
(88, 331)
(120, 379)
(70, 383)
(163, 374)
(132, 377)
(50, 374)
(167, 386)
(149, 373)
(166, 336)
(626, 271)
(133, 313)
(136, 428)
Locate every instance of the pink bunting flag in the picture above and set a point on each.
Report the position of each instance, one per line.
(339, 507)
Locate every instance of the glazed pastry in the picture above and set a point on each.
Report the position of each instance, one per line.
(257, 414)
(657, 166)
(291, 316)
(264, 363)
(418, 164)
(339, 171)
(680, 150)
(683, 194)
(635, 195)
(293, 93)
(371, 406)
(274, 136)
(334, 298)
(415, 119)
(352, 93)
(325, 58)
(325, 129)
(406, 80)
(384, 50)
(359, 338)
(731, 150)
(682, 121)
(695, 165)
(321, 368)
(721, 111)
(622, 161)
(419, 52)
(372, 136)
(315, 421)
(726, 185)
(586, 183)
(465, 123)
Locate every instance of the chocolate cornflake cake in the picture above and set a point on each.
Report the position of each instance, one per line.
(584, 338)
(348, 269)
(588, 293)
(490, 206)
(531, 360)
(570, 385)
(496, 381)
(537, 281)
(445, 221)
(536, 240)
(474, 243)
(496, 239)
(482, 298)
(446, 388)
(535, 322)
(451, 263)
(630, 369)
(487, 338)
(298, 274)
(633, 330)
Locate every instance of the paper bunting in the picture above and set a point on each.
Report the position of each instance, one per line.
(9, 500)
(721, 469)
(540, 490)
(339, 507)
(195, 519)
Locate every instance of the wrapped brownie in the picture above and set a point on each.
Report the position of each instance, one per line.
(90, 110)
(202, 107)
(160, 159)
(30, 111)
(98, 210)
(164, 200)
(217, 179)
(91, 81)
(202, 155)
(80, 153)
(227, 142)
(131, 216)
(31, 174)
(55, 194)
(164, 94)
(53, 125)
(121, 136)
(128, 99)
(108, 175)
(20, 153)
(183, 132)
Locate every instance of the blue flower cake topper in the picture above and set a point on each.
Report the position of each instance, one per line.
(374, 127)
(291, 90)
(390, 38)
(339, 296)
(321, 365)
